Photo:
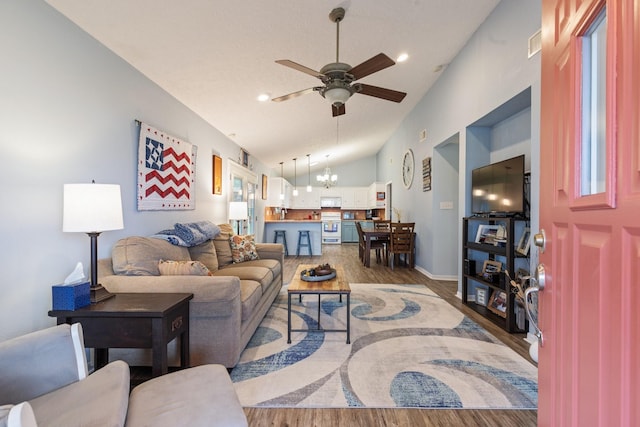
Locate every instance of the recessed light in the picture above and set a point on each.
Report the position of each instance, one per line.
(263, 97)
(402, 57)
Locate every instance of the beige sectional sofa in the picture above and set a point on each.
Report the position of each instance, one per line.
(227, 306)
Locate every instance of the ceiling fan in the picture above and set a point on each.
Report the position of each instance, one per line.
(338, 78)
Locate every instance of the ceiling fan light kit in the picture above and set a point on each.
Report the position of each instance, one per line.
(338, 77)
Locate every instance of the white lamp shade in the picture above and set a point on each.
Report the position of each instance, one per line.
(238, 210)
(92, 208)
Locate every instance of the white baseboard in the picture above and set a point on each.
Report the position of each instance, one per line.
(434, 277)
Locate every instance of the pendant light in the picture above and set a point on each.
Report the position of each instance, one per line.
(309, 189)
(295, 177)
(281, 181)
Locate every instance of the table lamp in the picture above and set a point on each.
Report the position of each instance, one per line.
(238, 212)
(92, 209)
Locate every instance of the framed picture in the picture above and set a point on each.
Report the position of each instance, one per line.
(244, 158)
(264, 186)
(491, 271)
(217, 175)
(426, 174)
(487, 233)
(525, 240)
(498, 303)
(491, 266)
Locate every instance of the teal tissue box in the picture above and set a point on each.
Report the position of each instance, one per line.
(71, 297)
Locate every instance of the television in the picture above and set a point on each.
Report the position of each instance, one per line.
(498, 189)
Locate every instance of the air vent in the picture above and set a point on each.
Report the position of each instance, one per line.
(535, 43)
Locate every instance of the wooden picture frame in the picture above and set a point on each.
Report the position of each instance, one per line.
(265, 180)
(491, 270)
(216, 175)
(498, 303)
(525, 241)
(491, 266)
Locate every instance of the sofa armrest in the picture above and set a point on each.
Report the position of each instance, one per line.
(101, 399)
(271, 251)
(40, 362)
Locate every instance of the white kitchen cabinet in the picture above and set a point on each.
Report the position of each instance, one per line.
(361, 195)
(374, 201)
(355, 197)
(306, 200)
(348, 198)
(276, 187)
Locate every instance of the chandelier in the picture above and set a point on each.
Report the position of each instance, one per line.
(327, 179)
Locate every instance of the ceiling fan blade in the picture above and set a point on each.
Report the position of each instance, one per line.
(380, 92)
(338, 111)
(293, 95)
(372, 65)
(299, 67)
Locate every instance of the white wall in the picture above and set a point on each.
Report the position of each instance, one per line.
(491, 69)
(67, 114)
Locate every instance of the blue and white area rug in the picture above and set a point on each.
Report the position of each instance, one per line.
(409, 348)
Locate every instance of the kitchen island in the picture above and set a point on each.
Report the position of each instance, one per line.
(292, 226)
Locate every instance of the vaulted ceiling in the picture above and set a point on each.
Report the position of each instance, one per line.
(216, 57)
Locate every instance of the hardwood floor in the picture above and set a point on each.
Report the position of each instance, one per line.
(347, 256)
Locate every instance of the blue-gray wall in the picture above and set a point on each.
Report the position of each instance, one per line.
(490, 70)
(359, 173)
(67, 111)
(67, 114)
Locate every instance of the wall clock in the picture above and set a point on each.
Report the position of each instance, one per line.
(407, 168)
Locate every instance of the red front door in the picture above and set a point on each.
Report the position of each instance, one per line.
(589, 362)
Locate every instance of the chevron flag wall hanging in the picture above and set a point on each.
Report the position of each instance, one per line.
(166, 171)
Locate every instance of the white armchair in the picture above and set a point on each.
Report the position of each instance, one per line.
(48, 369)
(44, 382)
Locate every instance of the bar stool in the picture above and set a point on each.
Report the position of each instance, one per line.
(283, 234)
(304, 241)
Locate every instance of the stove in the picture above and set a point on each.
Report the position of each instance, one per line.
(331, 228)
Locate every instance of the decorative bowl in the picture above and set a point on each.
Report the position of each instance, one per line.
(318, 274)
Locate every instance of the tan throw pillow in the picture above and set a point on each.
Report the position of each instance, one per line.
(183, 268)
(206, 254)
(243, 248)
(226, 228)
(223, 249)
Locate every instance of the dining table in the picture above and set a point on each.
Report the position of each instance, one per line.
(370, 233)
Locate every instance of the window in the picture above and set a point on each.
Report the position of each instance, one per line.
(243, 189)
(593, 108)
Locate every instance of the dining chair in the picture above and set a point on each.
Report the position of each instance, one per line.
(382, 224)
(361, 242)
(401, 240)
(377, 245)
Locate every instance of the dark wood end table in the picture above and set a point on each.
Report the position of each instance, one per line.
(144, 320)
